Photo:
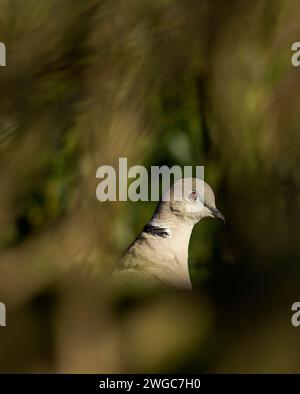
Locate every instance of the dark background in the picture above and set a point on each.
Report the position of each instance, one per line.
(160, 82)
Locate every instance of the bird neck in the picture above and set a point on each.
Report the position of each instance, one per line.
(175, 239)
(177, 234)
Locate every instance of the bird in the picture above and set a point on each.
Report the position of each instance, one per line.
(159, 255)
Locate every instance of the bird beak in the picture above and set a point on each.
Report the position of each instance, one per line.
(217, 214)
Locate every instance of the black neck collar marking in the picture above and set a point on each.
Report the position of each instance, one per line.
(156, 230)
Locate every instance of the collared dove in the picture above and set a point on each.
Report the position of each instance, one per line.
(159, 255)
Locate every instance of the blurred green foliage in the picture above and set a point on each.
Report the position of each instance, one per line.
(162, 83)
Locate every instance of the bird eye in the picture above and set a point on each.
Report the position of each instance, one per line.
(193, 196)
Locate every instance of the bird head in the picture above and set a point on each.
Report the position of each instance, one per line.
(191, 199)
